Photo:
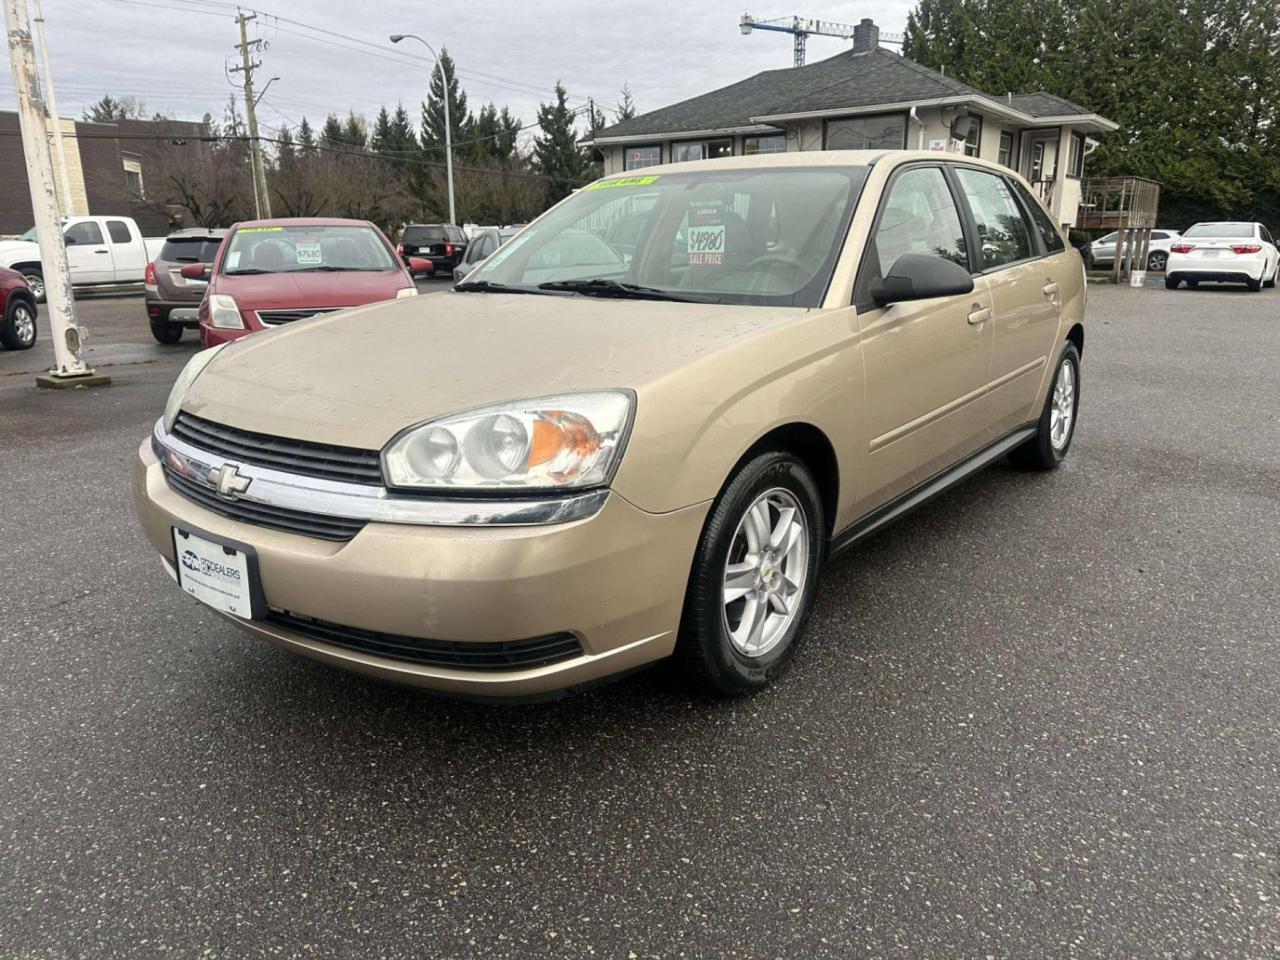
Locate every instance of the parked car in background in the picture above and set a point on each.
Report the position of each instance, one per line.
(101, 251)
(18, 312)
(1227, 252)
(172, 300)
(273, 272)
(483, 243)
(1104, 249)
(505, 495)
(443, 244)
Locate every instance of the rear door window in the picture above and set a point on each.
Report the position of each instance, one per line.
(1003, 234)
(119, 231)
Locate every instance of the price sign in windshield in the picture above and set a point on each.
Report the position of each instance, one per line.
(706, 245)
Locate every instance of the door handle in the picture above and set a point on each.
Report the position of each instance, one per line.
(103, 250)
(1051, 289)
(979, 314)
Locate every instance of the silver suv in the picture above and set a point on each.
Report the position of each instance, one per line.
(172, 300)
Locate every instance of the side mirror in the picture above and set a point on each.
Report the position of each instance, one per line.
(421, 265)
(921, 276)
(197, 271)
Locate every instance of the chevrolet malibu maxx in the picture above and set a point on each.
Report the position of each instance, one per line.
(582, 460)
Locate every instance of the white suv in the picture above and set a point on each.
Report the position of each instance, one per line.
(1225, 252)
(1104, 249)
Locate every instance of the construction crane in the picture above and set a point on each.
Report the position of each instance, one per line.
(800, 28)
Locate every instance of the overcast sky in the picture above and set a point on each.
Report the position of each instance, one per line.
(172, 54)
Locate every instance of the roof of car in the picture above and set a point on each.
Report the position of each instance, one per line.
(805, 158)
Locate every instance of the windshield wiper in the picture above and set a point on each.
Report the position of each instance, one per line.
(603, 287)
(244, 271)
(488, 286)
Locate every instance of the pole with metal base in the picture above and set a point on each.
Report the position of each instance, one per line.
(69, 369)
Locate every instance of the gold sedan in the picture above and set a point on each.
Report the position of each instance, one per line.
(638, 429)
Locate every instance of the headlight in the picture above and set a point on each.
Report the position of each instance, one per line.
(224, 313)
(195, 366)
(406, 292)
(545, 443)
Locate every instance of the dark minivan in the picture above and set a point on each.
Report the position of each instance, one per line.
(441, 243)
(173, 301)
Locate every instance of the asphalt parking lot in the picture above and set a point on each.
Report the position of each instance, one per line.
(1037, 718)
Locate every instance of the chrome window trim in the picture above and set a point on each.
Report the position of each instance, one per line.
(354, 501)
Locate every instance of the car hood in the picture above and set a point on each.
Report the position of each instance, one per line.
(12, 251)
(294, 290)
(359, 377)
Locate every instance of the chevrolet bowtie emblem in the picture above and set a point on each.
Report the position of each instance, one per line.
(227, 481)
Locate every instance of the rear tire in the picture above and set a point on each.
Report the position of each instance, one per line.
(1254, 285)
(1156, 261)
(18, 330)
(1057, 425)
(1274, 274)
(762, 546)
(1192, 284)
(35, 280)
(1171, 283)
(166, 332)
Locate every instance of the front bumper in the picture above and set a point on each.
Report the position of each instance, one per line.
(616, 581)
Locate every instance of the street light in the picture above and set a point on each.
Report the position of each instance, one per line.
(448, 135)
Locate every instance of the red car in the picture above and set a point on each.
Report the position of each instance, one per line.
(272, 272)
(17, 312)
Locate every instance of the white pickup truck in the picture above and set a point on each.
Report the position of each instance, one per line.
(100, 251)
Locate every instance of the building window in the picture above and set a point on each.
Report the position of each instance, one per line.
(881, 131)
(1075, 164)
(701, 150)
(1005, 157)
(636, 158)
(973, 142)
(133, 178)
(772, 144)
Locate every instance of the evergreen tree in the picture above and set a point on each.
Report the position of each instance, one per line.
(331, 134)
(355, 133)
(381, 136)
(433, 133)
(110, 109)
(306, 139)
(556, 154)
(508, 135)
(286, 155)
(626, 106)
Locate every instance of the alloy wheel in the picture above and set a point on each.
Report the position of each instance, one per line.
(24, 324)
(1063, 414)
(765, 572)
(36, 282)
(1157, 260)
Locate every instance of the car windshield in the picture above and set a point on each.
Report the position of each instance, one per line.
(300, 248)
(190, 249)
(748, 236)
(1226, 230)
(29, 235)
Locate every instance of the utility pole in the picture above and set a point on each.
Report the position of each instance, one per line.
(261, 201)
(66, 333)
(58, 153)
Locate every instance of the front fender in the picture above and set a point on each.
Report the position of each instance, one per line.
(694, 424)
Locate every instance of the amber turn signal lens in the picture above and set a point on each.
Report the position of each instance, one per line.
(566, 441)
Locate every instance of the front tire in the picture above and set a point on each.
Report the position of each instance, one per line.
(18, 331)
(1057, 425)
(754, 577)
(166, 332)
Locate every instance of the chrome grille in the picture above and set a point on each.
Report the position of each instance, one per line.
(323, 460)
(320, 526)
(463, 655)
(277, 317)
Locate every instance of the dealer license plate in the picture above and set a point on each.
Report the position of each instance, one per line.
(214, 574)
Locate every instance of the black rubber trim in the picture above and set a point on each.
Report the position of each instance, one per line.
(456, 654)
